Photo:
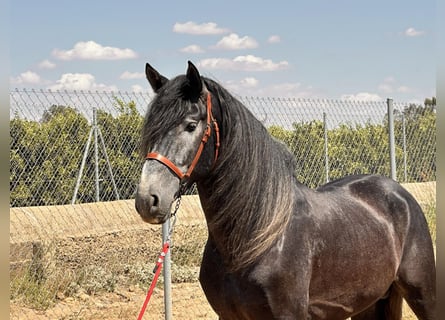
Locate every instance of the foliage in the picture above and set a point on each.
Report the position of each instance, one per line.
(48, 146)
(45, 155)
(419, 124)
(364, 149)
(30, 292)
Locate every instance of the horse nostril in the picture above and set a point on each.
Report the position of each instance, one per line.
(155, 200)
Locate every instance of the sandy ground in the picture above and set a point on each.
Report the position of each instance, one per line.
(188, 303)
(95, 232)
(124, 303)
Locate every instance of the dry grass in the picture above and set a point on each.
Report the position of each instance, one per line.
(407, 313)
(102, 266)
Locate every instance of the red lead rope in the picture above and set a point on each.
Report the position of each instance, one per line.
(157, 270)
(158, 267)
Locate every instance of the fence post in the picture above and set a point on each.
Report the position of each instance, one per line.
(392, 144)
(96, 155)
(326, 163)
(405, 176)
(104, 149)
(82, 165)
(167, 273)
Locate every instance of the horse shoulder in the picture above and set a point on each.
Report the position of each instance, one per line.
(284, 271)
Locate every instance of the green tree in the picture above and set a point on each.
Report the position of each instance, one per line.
(121, 135)
(430, 101)
(44, 157)
(306, 142)
(359, 149)
(415, 126)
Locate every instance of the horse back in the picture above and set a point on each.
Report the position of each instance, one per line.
(384, 199)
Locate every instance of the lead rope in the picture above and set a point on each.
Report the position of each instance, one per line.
(158, 267)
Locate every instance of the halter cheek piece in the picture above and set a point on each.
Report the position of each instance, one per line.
(207, 133)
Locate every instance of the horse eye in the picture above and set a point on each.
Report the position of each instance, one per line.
(191, 127)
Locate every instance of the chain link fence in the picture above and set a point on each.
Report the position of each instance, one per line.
(78, 249)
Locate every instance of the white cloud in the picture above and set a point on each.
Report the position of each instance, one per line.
(361, 96)
(192, 49)
(234, 42)
(138, 88)
(132, 75)
(27, 77)
(251, 87)
(404, 89)
(46, 64)
(91, 50)
(411, 32)
(274, 39)
(290, 90)
(390, 85)
(190, 27)
(246, 83)
(387, 86)
(243, 63)
(80, 81)
(249, 82)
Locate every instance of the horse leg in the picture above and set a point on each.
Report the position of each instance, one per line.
(374, 312)
(389, 308)
(417, 283)
(416, 277)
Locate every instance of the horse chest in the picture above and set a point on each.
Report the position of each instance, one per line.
(231, 296)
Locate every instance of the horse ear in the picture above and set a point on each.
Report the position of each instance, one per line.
(194, 81)
(155, 78)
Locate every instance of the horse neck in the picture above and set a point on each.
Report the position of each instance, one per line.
(248, 199)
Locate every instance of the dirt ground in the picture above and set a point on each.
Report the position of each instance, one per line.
(124, 303)
(109, 244)
(80, 241)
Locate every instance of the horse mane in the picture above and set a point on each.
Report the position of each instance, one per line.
(253, 184)
(254, 187)
(169, 107)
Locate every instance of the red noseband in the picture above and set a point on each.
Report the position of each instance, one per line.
(211, 122)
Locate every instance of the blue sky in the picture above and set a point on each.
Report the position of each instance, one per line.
(304, 49)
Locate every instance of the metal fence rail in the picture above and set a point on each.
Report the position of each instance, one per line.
(52, 138)
(72, 154)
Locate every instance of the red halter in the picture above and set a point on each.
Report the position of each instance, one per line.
(207, 133)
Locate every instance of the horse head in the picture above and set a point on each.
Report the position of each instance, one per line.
(177, 127)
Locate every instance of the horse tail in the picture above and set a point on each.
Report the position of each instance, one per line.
(393, 305)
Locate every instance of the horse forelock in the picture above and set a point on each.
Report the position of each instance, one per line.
(254, 184)
(166, 111)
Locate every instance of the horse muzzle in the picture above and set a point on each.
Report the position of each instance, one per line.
(150, 208)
